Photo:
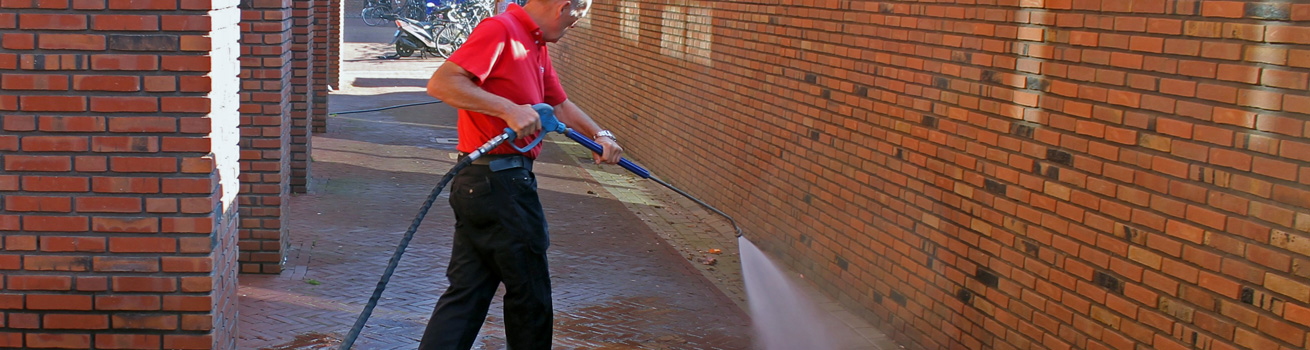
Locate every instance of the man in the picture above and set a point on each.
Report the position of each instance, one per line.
(500, 231)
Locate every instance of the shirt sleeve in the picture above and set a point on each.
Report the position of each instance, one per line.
(554, 91)
(482, 50)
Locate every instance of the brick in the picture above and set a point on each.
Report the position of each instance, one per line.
(56, 263)
(162, 5)
(38, 283)
(34, 82)
(52, 21)
(124, 104)
(125, 22)
(145, 321)
(127, 341)
(72, 244)
(75, 321)
(109, 204)
(125, 185)
(54, 144)
(125, 264)
(128, 302)
(143, 164)
(1297, 313)
(106, 83)
(38, 203)
(86, 42)
(72, 123)
(64, 341)
(55, 223)
(197, 322)
(18, 41)
(147, 284)
(188, 264)
(38, 163)
(143, 124)
(112, 62)
(1293, 289)
(188, 341)
(52, 103)
(1287, 34)
(124, 224)
(142, 245)
(58, 302)
(186, 303)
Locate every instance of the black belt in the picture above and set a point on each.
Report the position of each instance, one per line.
(498, 162)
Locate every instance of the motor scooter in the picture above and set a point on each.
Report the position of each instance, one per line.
(422, 36)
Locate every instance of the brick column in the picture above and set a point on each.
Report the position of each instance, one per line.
(119, 164)
(334, 44)
(265, 132)
(303, 90)
(327, 21)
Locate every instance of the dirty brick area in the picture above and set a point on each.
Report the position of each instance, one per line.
(617, 283)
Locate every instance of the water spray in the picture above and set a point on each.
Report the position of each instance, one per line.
(549, 123)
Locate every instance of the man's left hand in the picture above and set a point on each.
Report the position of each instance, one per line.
(612, 151)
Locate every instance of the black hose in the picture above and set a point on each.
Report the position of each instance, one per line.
(698, 201)
(384, 108)
(409, 234)
(400, 250)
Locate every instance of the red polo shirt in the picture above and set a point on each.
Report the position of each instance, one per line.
(508, 58)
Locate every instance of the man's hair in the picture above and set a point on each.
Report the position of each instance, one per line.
(578, 7)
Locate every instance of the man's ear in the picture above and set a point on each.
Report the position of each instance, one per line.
(566, 6)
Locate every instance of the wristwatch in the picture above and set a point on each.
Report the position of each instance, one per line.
(605, 133)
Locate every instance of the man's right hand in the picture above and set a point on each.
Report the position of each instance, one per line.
(522, 119)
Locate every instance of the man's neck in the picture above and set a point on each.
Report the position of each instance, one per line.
(538, 10)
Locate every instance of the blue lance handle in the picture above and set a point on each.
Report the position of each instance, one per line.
(549, 123)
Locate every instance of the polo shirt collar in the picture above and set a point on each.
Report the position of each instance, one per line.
(531, 26)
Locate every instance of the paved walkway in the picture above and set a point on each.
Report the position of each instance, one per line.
(626, 255)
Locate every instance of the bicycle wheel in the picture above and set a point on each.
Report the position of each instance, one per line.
(449, 39)
(372, 17)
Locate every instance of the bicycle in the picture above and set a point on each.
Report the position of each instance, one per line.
(377, 12)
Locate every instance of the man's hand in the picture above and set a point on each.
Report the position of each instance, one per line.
(522, 119)
(612, 151)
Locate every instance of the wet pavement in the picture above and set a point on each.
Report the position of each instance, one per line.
(617, 284)
(627, 257)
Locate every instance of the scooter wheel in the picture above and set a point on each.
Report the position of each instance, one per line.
(404, 51)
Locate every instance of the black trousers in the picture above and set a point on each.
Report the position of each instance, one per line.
(500, 237)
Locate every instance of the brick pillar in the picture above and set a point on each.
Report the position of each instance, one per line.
(119, 154)
(265, 132)
(334, 44)
(303, 90)
(325, 46)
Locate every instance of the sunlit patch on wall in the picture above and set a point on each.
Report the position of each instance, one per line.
(699, 34)
(673, 31)
(630, 20)
(687, 32)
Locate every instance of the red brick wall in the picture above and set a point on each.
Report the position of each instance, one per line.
(1012, 174)
(266, 87)
(119, 174)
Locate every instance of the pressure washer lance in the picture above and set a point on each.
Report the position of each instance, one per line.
(548, 124)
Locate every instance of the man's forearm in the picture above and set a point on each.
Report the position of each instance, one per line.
(452, 86)
(573, 116)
